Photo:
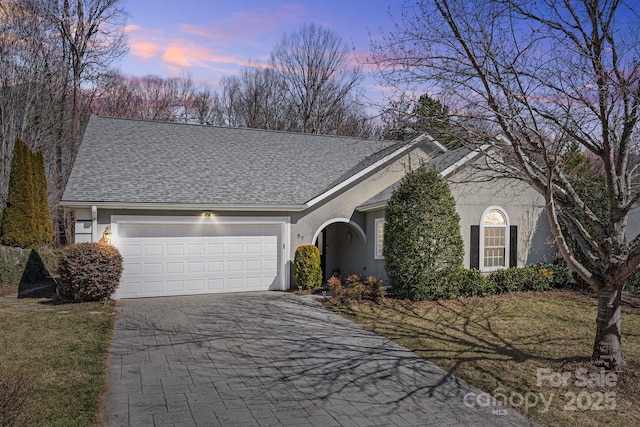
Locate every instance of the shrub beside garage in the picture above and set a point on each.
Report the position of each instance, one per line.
(89, 271)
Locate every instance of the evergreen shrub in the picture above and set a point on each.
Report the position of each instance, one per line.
(422, 240)
(26, 219)
(539, 277)
(307, 272)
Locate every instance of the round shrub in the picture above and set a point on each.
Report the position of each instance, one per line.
(89, 271)
(306, 267)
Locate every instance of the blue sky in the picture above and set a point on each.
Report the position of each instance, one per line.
(207, 39)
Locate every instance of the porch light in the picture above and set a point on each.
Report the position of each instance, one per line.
(106, 235)
(349, 237)
(207, 214)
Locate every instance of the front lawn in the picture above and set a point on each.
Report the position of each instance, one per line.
(529, 348)
(63, 350)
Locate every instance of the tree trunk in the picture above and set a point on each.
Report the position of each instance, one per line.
(607, 351)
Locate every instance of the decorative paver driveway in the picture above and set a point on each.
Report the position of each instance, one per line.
(270, 359)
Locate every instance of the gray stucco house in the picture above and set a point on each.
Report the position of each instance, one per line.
(201, 209)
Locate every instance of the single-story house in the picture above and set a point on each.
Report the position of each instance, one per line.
(200, 209)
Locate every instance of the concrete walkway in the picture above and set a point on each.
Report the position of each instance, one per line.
(271, 359)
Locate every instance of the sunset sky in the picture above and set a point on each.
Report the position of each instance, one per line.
(207, 39)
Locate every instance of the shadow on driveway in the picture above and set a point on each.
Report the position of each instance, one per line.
(269, 359)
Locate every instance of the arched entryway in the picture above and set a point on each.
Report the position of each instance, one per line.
(342, 245)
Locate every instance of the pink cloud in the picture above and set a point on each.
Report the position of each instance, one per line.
(131, 28)
(185, 54)
(144, 49)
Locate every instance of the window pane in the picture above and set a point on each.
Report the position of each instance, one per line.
(494, 217)
(494, 257)
(379, 238)
(494, 246)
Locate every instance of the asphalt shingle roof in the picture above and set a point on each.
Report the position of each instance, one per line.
(137, 161)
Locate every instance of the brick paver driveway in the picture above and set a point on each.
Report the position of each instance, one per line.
(269, 359)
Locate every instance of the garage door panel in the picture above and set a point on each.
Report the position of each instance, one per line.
(195, 249)
(175, 267)
(175, 286)
(153, 268)
(195, 267)
(270, 265)
(153, 249)
(215, 284)
(132, 269)
(235, 283)
(234, 248)
(131, 250)
(215, 248)
(184, 259)
(235, 266)
(215, 267)
(254, 265)
(195, 285)
(152, 287)
(175, 249)
(254, 248)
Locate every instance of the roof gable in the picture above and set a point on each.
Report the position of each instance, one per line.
(137, 162)
(447, 163)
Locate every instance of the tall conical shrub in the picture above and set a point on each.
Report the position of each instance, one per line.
(26, 220)
(306, 267)
(422, 235)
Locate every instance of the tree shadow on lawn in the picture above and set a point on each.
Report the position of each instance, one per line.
(484, 335)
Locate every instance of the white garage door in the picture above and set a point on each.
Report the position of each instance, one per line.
(184, 259)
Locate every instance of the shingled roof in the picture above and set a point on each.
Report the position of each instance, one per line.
(138, 162)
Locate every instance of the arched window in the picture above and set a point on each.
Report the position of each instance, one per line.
(494, 239)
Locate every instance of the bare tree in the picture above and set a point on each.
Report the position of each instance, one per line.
(30, 80)
(315, 66)
(547, 76)
(116, 97)
(79, 39)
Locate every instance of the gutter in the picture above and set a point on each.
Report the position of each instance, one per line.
(185, 207)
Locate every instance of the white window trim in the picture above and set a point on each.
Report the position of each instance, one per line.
(506, 239)
(379, 250)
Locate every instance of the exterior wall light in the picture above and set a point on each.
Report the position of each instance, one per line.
(106, 235)
(207, 214)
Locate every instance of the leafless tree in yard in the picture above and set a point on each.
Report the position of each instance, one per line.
(546, 75)
(29, 83)
(53, 53)
(255, 98)
(320, 80)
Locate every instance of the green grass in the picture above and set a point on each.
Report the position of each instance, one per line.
(498, 344)
(63, 349)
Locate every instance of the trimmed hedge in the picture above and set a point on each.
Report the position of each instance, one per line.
(89, 271)
(539, 277)
(306, 267)
(461, 282)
